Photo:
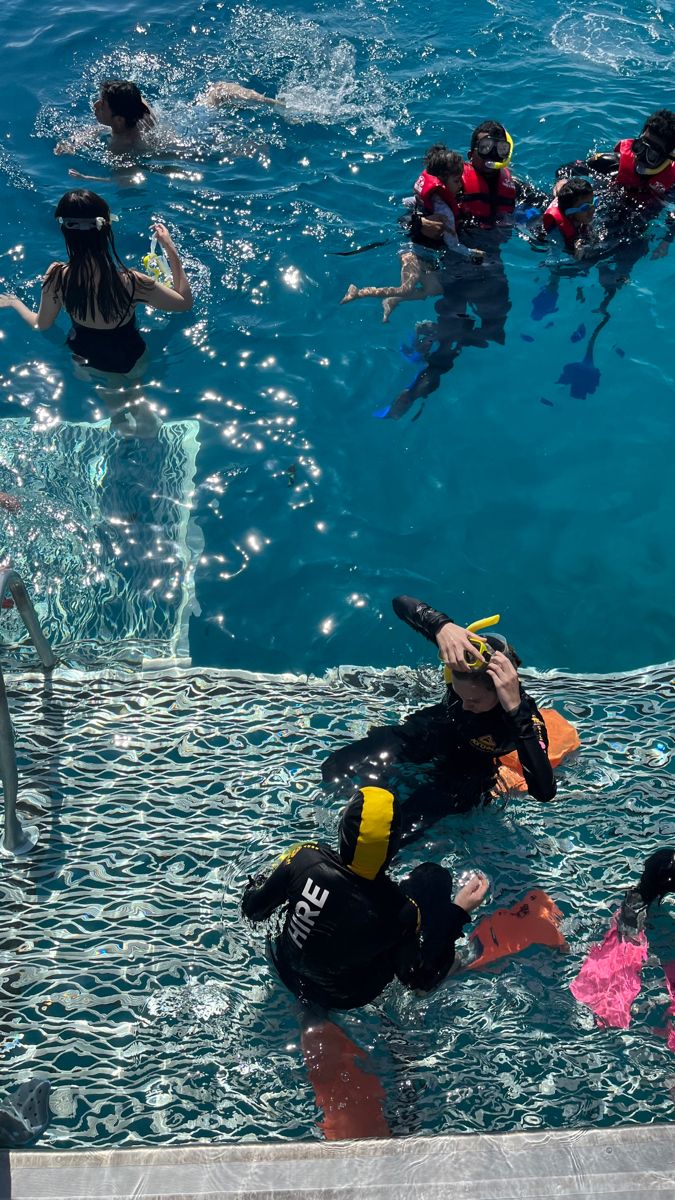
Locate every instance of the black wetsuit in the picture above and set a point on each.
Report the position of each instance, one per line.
(462, 748)
(344, 938)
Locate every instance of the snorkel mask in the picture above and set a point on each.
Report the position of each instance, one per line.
(495, 152)
(484, 650)
(592, 203)
(157, 265)
(649, 159)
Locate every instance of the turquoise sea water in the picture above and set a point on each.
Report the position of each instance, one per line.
(267, 524)
(305, 512)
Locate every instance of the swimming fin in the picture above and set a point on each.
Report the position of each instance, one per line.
(350, 1095)
(533, 921)
(610, 978)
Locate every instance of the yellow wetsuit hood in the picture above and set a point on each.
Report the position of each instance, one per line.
(370, 829)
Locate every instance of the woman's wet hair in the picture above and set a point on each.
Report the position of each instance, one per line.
(487, 129)
(125, 100)
(479, 674)
(572, 192)
(96, 282)
(440, 161)
(662, 125)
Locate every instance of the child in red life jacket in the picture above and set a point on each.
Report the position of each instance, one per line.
(571, 213)
(432, 231)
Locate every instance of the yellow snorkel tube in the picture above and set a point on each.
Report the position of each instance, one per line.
(497, 166)
(481, 645)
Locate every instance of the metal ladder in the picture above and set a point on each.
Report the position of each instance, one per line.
(17, 839)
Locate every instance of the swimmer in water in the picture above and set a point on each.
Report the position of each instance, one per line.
(348, 928)
(569, 217)
(485, 714)
(120, 108)
(432, 231)
(97, 291)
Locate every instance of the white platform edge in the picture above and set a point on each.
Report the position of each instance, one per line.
(635, 1161)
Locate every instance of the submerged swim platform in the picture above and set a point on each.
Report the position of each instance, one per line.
(137, 990)
(622, 1164)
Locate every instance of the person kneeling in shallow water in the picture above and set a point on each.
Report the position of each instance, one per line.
(485, 714)
(348, 928)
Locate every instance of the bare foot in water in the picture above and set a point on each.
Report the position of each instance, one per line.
(388, 307)
(352, 293)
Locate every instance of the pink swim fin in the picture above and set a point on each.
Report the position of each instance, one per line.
(610, 979)
(669, 972)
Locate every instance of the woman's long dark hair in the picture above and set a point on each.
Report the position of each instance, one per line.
(96, 281)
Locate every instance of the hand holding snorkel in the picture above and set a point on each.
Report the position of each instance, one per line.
(459, 649)
(464, 651)
(156, 263)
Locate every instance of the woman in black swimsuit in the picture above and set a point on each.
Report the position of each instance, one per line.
(96, 289)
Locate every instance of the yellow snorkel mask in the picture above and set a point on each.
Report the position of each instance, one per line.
(498, 146)
(483, 649)
(156, 264)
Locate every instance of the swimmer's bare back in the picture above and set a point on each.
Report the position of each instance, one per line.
(234, 93)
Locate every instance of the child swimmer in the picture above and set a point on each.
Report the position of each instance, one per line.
(432, 230)
(570, 214)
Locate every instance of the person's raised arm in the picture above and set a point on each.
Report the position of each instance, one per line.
(50, 303)
(453, 642)
(168, 299)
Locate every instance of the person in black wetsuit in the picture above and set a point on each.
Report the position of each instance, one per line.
(98, 292)
(348, 928)
(484, 715)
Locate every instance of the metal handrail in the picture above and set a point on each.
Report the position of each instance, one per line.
(17, 839)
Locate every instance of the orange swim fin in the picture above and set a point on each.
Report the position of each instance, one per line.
(350, 1095)
(533, 921)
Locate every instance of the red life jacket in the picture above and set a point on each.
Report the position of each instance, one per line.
(629, 178)
(428, 186)
(480, 203)
(554, 219)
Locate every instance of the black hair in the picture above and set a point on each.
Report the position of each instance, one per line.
(95, 281)
(662, 125)
(479, 673)
(439, 161)
(572, 191)
(490, 128)
(658, 875)
(126, 101)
